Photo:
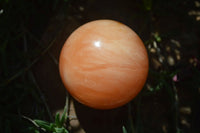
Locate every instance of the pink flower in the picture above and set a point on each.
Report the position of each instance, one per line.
(175, 78)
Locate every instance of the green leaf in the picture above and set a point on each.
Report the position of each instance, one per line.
(36, 131)
(43, 124)
(64, 116)
(157, 37)
(52, 125)
(57, 120)
(124, 129)
(61, 130)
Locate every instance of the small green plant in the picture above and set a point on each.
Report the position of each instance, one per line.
(56, 127)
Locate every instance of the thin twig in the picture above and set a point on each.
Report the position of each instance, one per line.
(42, 96)
(30, 65)
(130, 117)
(34, 123)
(138, 115)
(176, 104)
(40, 44)
(67, 104)
(53, 58)
(36, 84)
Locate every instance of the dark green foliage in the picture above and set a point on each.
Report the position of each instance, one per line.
(57, 127)
(19, 94)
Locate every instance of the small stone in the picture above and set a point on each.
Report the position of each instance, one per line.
(185, 110)
(170, 60)
(153, 50)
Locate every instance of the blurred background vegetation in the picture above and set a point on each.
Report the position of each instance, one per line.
(33, 32)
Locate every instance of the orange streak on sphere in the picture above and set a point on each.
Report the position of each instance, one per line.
(103, 64)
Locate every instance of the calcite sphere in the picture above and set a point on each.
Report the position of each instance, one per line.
(103, 64)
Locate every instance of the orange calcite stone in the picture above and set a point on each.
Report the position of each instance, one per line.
(103, 64)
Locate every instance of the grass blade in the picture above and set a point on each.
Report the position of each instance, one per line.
(124, 129)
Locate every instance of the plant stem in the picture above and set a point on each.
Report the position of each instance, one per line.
(42, 96)
(36, 84)
(130, 117)
(176, 104)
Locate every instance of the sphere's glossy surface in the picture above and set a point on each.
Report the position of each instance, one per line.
(103, 64)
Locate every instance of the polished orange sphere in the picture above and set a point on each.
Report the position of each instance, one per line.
(103, 64)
